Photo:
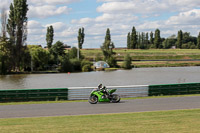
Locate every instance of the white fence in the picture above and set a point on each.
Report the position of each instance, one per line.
(83, 93)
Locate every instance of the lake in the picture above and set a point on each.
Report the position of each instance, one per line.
(136, 76)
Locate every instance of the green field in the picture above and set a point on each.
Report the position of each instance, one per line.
(150, 54)
(178, 121)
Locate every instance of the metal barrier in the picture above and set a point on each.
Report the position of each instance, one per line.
(33, 94)
(83, 93)
(174, 89)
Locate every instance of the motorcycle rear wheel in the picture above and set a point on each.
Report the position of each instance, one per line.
(115, 98)
(93, 99)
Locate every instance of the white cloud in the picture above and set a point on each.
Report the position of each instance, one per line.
(51, 2)
(43, 8)
(134, 6)
(5, 4)
(46, 11)
(32, 24)
(191, 17)
(116, 18)
(58, 26)
(82, 21)
(146, 6)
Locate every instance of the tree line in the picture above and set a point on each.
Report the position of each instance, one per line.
(141, 40)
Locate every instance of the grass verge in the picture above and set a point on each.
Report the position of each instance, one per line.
(178, 121)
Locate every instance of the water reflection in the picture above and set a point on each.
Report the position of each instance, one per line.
(12, 81)
(139, 76)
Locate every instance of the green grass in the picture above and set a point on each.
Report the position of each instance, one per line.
(150, 54)
(178, 121)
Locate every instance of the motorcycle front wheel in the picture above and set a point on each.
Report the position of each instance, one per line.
(93, 99)
(115, 98)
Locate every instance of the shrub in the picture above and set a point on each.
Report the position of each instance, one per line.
(76, 63)
(112, 62)
(85, 62)
(73, 53)
(127, 62)
(86, 68)
(98, 57)
(185, 46)
(66, 65)
(193, 46)
(86, 65)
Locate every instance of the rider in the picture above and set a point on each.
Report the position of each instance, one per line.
(103, 89)
(99, 87)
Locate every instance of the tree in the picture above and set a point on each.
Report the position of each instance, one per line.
(186, 37)
(58, 50)
(138, 40)
(49, 36)
(66, 65)
(198, 41)
(107, 50)
(129, 40)
(3, 22)
(142, 46)
(180, 39)
(157, 39)
(147, 39)
(4, 45)
(4, 55)
(133, 38)
(17, 30)
(39, 57)
(151, 38)
(81, 37)
(11, 30)
(127, 62)
(11, 26)
(73, 53)
(168, 43)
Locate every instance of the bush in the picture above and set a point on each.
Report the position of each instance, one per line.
(112, 62)
(73, 53)
(86, 65)
(193, 46)
(98, 57)
(185, 46)
(76, 63)
(85, 62)
(66, 65)
(127, 62)
(86, 68)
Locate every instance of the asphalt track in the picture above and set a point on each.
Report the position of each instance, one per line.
(84, 108)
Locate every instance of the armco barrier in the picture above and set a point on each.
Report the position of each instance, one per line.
(83, 93)
(33, 94)
(174, 89)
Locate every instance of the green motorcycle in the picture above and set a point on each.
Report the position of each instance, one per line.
(103, 95)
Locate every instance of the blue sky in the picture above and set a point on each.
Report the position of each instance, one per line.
(67, 16)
